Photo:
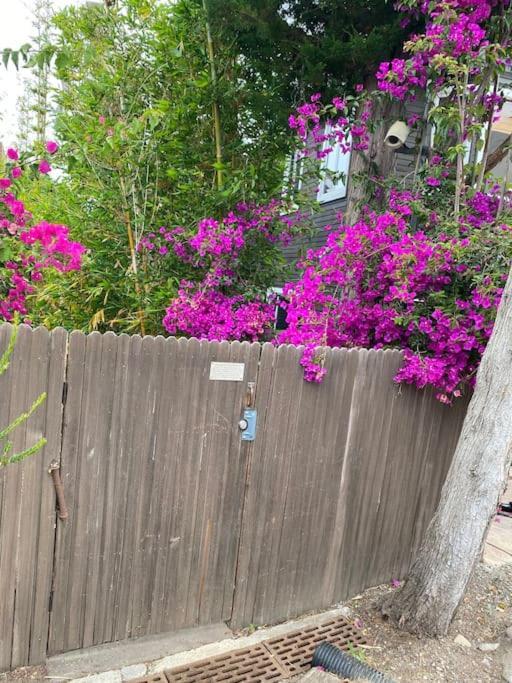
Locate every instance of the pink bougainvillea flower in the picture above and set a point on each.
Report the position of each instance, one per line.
(16, 172)
(44, 167)
(12, 154)
(38, 248)
(52, 147)
(433, 182)
(395, 583)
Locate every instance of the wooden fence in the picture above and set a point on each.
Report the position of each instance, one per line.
(174, 520)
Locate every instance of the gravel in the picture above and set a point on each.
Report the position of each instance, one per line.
(25, 673)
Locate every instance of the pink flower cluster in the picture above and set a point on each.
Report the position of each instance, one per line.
(28, 249)
(214, 304)
(58, 251)
(347, 125)
(205, 313)
(381, 283)
(454, 28)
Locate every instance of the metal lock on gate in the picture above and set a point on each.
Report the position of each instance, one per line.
(247, 425)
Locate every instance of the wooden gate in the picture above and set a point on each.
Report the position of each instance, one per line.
(154, 472)
(344, 478)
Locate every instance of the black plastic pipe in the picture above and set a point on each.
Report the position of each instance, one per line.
(332, 659)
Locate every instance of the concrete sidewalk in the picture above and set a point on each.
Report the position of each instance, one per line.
(125, 659)
(317, 676)
(498, 546)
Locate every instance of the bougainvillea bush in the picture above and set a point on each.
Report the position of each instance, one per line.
(423, 267)
(386, 282)
(28, 248)
(230, 268)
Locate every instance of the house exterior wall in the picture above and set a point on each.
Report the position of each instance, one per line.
(327, 212)
(404, 165)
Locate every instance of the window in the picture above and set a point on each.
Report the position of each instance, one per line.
(292, 182)
(335, 167)
(501, 128)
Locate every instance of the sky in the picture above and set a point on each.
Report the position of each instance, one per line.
(15, 29)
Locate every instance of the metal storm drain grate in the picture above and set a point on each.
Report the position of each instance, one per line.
(295, 650)
(276, 659)
(250, 664)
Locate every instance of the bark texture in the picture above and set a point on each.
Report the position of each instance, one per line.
(498, 155)
(378, 160)
(453, 541)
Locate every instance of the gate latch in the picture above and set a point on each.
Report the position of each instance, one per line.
(247, 425)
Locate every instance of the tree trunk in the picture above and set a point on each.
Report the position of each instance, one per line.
(378, 160)
(499, 154)
(454, 539)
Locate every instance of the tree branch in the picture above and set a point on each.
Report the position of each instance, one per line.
(499, 154)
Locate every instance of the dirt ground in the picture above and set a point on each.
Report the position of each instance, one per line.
(25, 673)
(483, 617)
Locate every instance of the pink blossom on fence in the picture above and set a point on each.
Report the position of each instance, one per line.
(205, 313)
(375, 285)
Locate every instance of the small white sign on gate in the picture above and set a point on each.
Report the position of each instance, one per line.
(228, 372)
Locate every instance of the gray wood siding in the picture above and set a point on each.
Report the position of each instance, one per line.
(326, 212)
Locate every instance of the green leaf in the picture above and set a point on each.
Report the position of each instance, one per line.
(6, 252)
(202, 82)
(6, 53)
(62, 60)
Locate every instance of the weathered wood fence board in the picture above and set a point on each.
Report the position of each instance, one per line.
(173, 519)
(27, 503)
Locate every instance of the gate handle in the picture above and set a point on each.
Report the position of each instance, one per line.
(249, 395)
(53, 469)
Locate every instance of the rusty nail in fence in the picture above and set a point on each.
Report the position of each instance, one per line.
(53, 469)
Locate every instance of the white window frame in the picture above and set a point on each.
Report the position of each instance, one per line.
(336, 161)
(292, 181)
